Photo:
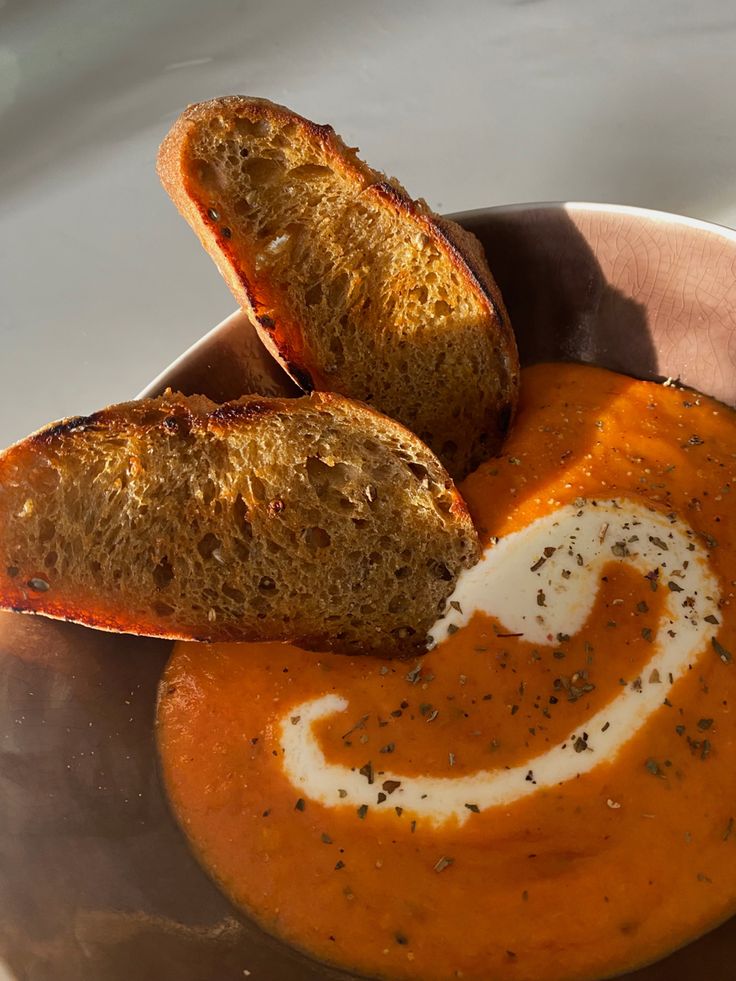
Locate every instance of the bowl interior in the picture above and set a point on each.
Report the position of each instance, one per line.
(95, 876)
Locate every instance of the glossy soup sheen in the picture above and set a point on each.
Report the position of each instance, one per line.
(601, 873)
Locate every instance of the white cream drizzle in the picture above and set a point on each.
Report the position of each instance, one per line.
(510, 583)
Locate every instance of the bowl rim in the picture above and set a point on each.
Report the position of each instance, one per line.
(600, 207)
(156, 384)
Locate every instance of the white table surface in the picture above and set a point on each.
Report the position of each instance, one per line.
(468, 103)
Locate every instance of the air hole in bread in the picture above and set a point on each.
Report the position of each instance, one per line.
(243, 207)
(216, 125)
(163, 573)
(46, 530)
(419, 471)
(207, 545)
(337, 293)
(324, 477)
(440, 570)
(267, 584)
(247, 127)
(295, 228)
(257, 488)
(316, 537)
(313, 296)
(402, 572)
(209, 490)
(262, 170)
(162, 609)
(310, 172)
(241, 549)
(268, 231)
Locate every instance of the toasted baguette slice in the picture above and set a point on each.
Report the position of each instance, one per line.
(313, 519)
(352, 285)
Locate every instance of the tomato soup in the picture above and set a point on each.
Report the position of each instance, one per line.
(549, 794)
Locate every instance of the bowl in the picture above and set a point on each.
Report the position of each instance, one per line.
(96, 881)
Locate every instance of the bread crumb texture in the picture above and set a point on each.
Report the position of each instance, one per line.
(357, 288)
(311, 519)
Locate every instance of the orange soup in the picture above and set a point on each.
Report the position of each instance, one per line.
(525, 801)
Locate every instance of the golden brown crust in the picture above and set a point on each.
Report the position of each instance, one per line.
(283, 335)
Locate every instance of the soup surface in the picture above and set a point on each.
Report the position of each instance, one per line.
(548, 794)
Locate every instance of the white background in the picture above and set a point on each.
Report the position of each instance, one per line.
(467, 103)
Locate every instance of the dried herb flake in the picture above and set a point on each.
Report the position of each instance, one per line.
(721, 651)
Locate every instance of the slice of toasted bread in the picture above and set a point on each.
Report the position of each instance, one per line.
(312, 519)
(353, 286)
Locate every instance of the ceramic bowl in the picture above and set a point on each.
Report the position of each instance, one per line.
(96, 880)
